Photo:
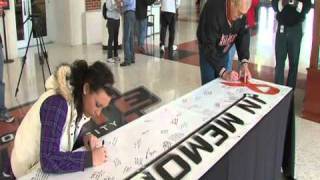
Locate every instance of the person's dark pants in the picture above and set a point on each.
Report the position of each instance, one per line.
(288, 41)
(128, 36)
(167, 19)
(113, 26)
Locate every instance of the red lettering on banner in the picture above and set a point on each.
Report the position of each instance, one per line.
(254, 87)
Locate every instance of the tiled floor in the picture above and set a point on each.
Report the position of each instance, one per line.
(172, 79)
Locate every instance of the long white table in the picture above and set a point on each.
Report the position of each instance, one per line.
(187, 137)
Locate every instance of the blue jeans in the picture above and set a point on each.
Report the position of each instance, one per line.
(2, 87)
(230, 55)
(128, 35)
(207, 72)
(141, 31)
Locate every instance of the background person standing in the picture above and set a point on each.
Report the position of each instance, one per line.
(168, 19)
(290, 15)
(129, 19)
(141, 22)
(111, 12)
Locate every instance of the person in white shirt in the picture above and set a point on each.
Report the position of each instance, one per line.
(111, 12)
(168, 18)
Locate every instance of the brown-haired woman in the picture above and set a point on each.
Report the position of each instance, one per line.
(46, 136)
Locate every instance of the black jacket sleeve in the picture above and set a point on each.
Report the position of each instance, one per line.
(150, 2)
(104, 11)
(306, 6)
(275, 5)
(305, 9)
(243, 41)
(208, 37)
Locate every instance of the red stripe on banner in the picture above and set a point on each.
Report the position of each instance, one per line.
(254, 87)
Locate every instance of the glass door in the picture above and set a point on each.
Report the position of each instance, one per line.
(30, 14)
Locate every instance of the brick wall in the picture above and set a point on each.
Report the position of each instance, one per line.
(93, 5)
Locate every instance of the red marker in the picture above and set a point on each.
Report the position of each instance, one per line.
(244, 79)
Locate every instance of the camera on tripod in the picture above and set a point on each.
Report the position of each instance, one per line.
(37, 31)
(37, 21)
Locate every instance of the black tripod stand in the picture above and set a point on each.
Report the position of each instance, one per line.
(41, 49)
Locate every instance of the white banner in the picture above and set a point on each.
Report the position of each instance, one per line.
(186, 137)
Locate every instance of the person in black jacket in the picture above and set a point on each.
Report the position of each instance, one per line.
(141, 21)
(290, 15)
(223, 23)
